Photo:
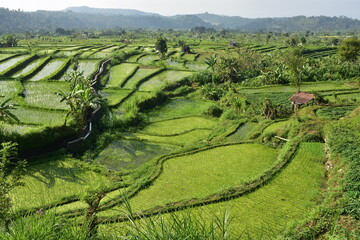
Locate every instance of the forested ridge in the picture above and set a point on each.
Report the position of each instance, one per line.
(82, 18)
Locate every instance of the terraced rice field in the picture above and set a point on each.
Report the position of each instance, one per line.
(119, 73)
(11, 62)
(30, 67)
(3, 56)
(204, 173)
(186, 139)
(133, 59)
(194, 66)
(278, 126)
(179, 107)
(115, 96)
(9, 88)
(88, 67)
(148, 59)
(243, 133)
(42, 94)
(161, 79)
(49, 69)
(140, 74)
(178, 126)
(268, 210)
(48, 182)
(39, 117)
(129, 154)
(322, 86)
(12, 128)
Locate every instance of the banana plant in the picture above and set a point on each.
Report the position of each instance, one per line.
(5, 111)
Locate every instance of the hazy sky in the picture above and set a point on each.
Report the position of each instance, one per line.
(244, 8)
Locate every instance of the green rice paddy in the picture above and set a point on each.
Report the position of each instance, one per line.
(11, 62)
(128, 154)
(179, 107)
(51, 181)
(119, 73)
(42, 94)
(178, 126)
(204, 173)
(185, 139)
(140, 74)
(49, 69)
(161, 79)
(115, 96)
(30, 67)
(40, 117)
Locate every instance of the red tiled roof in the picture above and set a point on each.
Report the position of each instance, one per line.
(302, 97)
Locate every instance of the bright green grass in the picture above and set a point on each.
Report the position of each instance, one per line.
(127, 154)
(184, 139)
(140, 74)
(178, 126)
(50, 68)
(8, 128)
(11, 62)
(28, 68)
(161, 79)
(119, 73)
(42, 94)
(243, 133)
(115, 96)
(54, 180)
(8, 88)
(289, 197)
(275, 127)
(205, 173)
(319, 86)
(41, 117)
(196, 66)
(134, 58)
(179, 107)
(148, 59)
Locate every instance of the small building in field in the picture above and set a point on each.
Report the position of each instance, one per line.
(301, 98)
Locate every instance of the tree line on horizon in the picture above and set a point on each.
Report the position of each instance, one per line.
(16, 21)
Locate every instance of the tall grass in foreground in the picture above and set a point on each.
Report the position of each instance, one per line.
(179, 226)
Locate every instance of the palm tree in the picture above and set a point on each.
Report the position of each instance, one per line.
(5, 111)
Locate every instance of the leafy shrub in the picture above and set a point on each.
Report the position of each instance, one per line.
(212, 91)
(214, 111)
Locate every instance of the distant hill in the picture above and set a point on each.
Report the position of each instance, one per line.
(93, 18)
(109, 11)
